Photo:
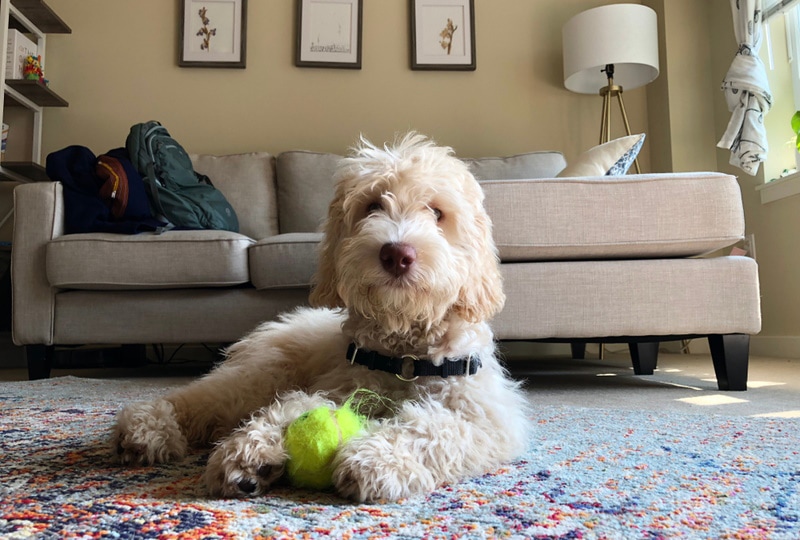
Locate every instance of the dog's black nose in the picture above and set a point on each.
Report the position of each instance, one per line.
(398, 258)
(247, 485)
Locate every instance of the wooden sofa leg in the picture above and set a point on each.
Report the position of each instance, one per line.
(40, 360)
(644, 357)
(578, 350)
(730, 353)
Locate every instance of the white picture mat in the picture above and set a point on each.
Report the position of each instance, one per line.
(430, 19)
(226, 17)
(329, 31)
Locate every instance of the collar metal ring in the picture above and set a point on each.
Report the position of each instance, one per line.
(408, 365)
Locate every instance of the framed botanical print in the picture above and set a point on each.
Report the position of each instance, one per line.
(443, 34)
(213, 33)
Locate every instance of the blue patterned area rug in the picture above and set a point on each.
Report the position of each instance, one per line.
(589, 473)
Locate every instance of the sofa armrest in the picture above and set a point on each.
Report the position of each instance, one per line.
(38, 218)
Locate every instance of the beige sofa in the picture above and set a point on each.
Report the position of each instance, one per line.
(611, 259)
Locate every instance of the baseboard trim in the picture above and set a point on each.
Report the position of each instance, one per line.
(775, 346)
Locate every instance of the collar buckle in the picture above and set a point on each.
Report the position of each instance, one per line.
(409, 367)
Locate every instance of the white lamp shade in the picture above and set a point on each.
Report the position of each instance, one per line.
(625, 35)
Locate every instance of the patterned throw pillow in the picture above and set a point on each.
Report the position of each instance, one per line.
(613, 158)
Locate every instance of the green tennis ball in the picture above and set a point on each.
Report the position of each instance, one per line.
(312, 441)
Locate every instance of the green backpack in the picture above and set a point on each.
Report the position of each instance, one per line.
(177, 193)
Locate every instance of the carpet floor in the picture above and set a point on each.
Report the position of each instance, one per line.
(589, 473)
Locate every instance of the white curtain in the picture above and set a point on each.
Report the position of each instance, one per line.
(746, 91)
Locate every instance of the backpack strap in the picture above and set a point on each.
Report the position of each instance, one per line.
(151, 178)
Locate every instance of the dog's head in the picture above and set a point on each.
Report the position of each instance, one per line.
(407, 240)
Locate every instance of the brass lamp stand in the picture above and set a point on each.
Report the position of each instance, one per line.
(609, 92)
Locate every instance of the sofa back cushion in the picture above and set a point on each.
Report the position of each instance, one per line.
(248, 182)
(305, 181)
(305, 189)
(530, 165)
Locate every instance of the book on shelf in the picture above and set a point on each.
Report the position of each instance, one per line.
(19, 47)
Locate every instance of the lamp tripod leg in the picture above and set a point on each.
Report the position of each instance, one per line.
(627, 127)
(604, 120)
(605, 123)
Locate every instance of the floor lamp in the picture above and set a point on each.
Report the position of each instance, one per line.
(608, 48)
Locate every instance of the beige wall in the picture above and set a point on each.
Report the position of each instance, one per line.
(681, 122)
(119, 67)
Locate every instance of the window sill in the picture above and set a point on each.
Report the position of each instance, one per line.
(780, 188)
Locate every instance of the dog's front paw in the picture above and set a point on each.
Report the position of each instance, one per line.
(370, 470)
(147, 433)
(245, 464)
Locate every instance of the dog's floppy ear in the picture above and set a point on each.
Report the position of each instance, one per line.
(481, 297)
(324, 292)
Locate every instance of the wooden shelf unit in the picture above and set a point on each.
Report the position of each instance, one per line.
(36, 18)
(41, 15)
(19, 170)
(36, 92)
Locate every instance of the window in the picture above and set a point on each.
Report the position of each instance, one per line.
(780, 52)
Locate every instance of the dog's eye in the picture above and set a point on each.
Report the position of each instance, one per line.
(374, 207)
(437, 213)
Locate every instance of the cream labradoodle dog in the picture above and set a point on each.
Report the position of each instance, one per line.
(408, 279)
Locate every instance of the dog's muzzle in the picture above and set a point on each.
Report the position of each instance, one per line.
(409, 367)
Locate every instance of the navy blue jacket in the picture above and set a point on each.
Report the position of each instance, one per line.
(84, 210)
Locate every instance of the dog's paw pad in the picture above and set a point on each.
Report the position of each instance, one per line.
(237, 483)
(129, 453)
(243, 466)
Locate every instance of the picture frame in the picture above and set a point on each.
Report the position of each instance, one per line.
(329, 33)
(213, 34)
(443, 35)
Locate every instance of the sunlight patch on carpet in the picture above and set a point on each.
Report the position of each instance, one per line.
(677, 385)
(713, 399)
(762, 384)
(753, 384)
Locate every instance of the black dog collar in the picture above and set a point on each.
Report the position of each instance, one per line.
(408, 367)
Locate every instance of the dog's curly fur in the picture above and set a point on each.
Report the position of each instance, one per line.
(430, 297)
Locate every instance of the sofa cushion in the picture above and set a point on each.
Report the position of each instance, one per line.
(175, 259)
(613, 158)
(305, 188)
(284, 261)
(530, 165)
(655, 215)
(248, 182)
